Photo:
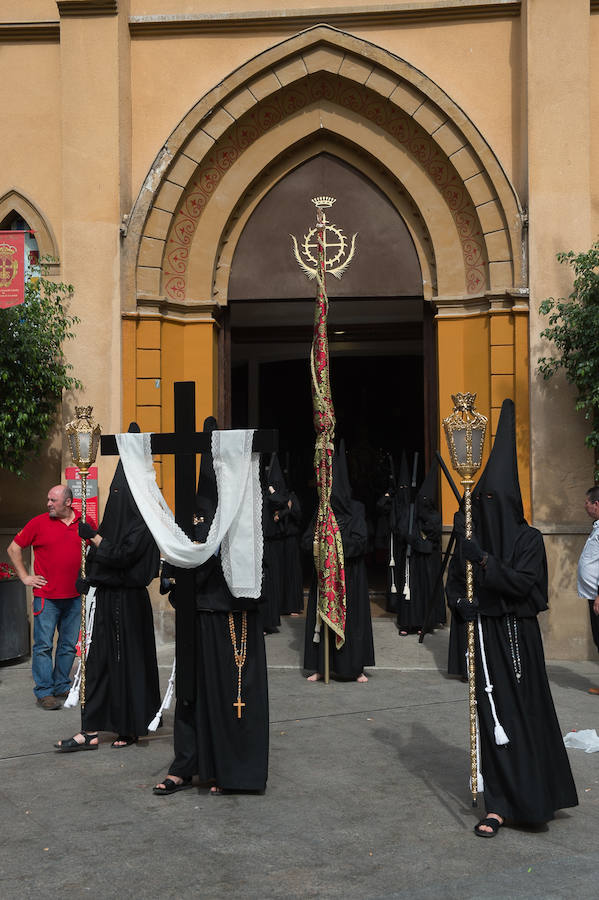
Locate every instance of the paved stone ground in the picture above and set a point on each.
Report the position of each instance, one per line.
(367, 796)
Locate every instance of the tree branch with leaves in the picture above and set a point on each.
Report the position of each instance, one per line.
(574, 331)
(33, 369)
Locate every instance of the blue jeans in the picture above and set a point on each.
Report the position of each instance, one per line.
(50, 616)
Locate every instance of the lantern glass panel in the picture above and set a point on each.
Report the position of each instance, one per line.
(477, 445)
(459, 439)
(84, 446)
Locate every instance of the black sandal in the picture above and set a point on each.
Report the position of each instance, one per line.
(123, 740)
(493, 824)
(70, 745)
(171, 787)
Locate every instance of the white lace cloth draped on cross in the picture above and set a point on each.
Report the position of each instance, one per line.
(237, 525)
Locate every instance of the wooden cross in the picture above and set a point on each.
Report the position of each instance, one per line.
(238, 704)
(184, 443)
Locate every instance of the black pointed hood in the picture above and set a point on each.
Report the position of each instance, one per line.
(497, 508)
(401, 500)
(427, 514)
(275, 498)
(120, 513)
(123, 526)
(275, 477)
(341, 492)
(207, 494)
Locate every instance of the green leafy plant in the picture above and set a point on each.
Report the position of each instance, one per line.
(33, 368)
(574, 330)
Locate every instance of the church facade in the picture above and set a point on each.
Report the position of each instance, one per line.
(166, 153)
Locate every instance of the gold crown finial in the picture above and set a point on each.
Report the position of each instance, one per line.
(83, 412)
(321, 202)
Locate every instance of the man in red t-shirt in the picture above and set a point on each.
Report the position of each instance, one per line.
(56, 604)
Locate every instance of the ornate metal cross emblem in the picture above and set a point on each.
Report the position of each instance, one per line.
(336, 255)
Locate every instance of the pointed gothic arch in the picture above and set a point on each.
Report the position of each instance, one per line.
(324, 88)
(16, 202)
(368, 97)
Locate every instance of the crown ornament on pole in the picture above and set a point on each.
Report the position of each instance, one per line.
(321, 202)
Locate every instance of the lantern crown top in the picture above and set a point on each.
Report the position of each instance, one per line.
(83, 412)
(464, 401)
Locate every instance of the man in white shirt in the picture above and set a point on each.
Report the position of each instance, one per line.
(588, 567)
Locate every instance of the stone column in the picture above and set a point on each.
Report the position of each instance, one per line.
(557, 101)
(96, 141)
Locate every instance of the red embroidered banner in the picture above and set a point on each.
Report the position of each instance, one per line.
(12, 268)
(328, 548)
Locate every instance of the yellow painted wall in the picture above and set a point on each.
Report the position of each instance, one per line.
(31, 144)
(29, 10)
(594, 118)
(484, 61)
(487, 355)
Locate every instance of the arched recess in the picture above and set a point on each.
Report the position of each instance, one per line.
(15, 201)
(325, 85)
(372, 88)
(357, 157)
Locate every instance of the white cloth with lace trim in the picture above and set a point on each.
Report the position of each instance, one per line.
(237, 525)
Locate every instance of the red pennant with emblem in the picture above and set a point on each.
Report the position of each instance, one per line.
(12, 268)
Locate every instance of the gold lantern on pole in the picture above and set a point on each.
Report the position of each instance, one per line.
(83, 435)
(465, 431)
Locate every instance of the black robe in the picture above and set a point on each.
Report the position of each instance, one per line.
(358, 649)
(423, 562)
(392, 525)
(529, 778)
(273, 585)
(292, 597)
(210, 740)
(122, 687)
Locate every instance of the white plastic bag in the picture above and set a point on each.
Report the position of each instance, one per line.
(587, 740)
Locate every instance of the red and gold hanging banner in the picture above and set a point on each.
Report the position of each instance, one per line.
(311, 256)
(328, 547)
(12, 268)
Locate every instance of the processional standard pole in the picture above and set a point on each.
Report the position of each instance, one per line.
(83, 436)
(465, 432)
(328, 547)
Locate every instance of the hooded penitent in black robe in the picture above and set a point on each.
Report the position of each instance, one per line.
(275, 498)
(290, 520)
(529, 778)
(210, 740)
(394, 514)
(358, 649)
(424, 561)
(122, 688)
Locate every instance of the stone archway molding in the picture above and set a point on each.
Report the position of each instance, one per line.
(322, 49)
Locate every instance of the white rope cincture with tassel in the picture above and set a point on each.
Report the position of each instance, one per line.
(73, 698)
(168, 696)
(500, 735)
(393, 589)
(406, 587)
